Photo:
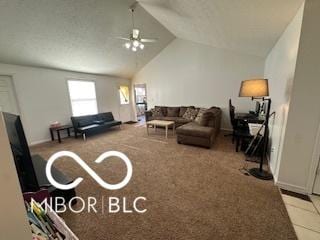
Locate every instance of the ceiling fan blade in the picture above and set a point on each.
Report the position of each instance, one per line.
(135, 33)
(150, 40)
(123, 38)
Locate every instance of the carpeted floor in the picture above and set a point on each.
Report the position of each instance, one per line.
(193, 193)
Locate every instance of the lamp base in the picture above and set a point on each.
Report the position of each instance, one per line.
(263, 175)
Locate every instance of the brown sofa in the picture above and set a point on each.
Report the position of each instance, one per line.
(189, 131)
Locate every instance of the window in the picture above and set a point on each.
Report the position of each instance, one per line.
(83, 97)
(124, 95)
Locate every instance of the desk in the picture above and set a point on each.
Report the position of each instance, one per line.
(242, 120)
(249, 118)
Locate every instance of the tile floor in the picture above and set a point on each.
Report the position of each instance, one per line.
(305, 216)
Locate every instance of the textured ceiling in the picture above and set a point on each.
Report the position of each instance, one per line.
(76, 35)
(248, 26)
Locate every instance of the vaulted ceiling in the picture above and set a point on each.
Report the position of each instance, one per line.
(248, 26)
(80, 35)
(76, 35)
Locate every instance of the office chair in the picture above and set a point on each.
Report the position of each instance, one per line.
(240, 131)
(232, 119)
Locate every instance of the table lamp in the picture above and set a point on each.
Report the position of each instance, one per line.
(259, 89)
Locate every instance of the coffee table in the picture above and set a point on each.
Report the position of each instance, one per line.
(161, 123)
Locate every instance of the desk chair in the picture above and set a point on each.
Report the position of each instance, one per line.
(240, 131)
(232, 119)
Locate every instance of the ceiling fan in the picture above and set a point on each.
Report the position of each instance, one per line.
(135, 41)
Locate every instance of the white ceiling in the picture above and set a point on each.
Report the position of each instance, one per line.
(76, 35)
(80, 35)
(248, 26)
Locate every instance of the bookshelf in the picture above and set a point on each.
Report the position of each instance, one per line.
(45, 224)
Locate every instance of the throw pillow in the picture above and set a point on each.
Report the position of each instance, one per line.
(163, 110)
(157, 112)
(173, 111)
(190, 114)
(203, 117)
(183, 110)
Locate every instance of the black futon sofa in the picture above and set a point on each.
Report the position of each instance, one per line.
(92, 124)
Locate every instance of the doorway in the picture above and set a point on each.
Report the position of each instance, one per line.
(8, 101)
(140, 92)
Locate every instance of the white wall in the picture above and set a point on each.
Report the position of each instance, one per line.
(297, 166)
(188, 73)
(43, 97)
(280, 67)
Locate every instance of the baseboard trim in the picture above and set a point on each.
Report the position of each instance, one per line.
(130, 122)
(39, 142)
(291, 187)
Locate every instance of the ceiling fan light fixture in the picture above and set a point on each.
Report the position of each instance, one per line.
(128, 45)
(136, 43)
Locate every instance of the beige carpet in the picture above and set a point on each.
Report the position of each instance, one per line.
(193, 193)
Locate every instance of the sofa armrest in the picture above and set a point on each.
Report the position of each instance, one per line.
(215, 122)
(75, 124)
(148, 114)
(218, 117)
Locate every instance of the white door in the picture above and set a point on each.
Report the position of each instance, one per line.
(316, 186)
(8, 102)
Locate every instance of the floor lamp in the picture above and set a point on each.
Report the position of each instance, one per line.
(259, 89)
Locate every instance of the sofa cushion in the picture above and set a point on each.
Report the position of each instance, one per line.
(85, 121)
(152, 118)
(202, 117)
(112, 123)
(173, 111)
(206, 118)
(167, 118)
(181, 120)
(89, 127)
(182, 111)
(98, 121)
(105, 117)
(157, 112)
(212, 120)
(194, 129)
(163, 110)
(190, 113)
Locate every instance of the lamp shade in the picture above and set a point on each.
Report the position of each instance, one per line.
(254, 88)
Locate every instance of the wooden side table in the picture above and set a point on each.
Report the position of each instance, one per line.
(58, 130)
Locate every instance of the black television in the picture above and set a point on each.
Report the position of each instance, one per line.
(21, 153)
